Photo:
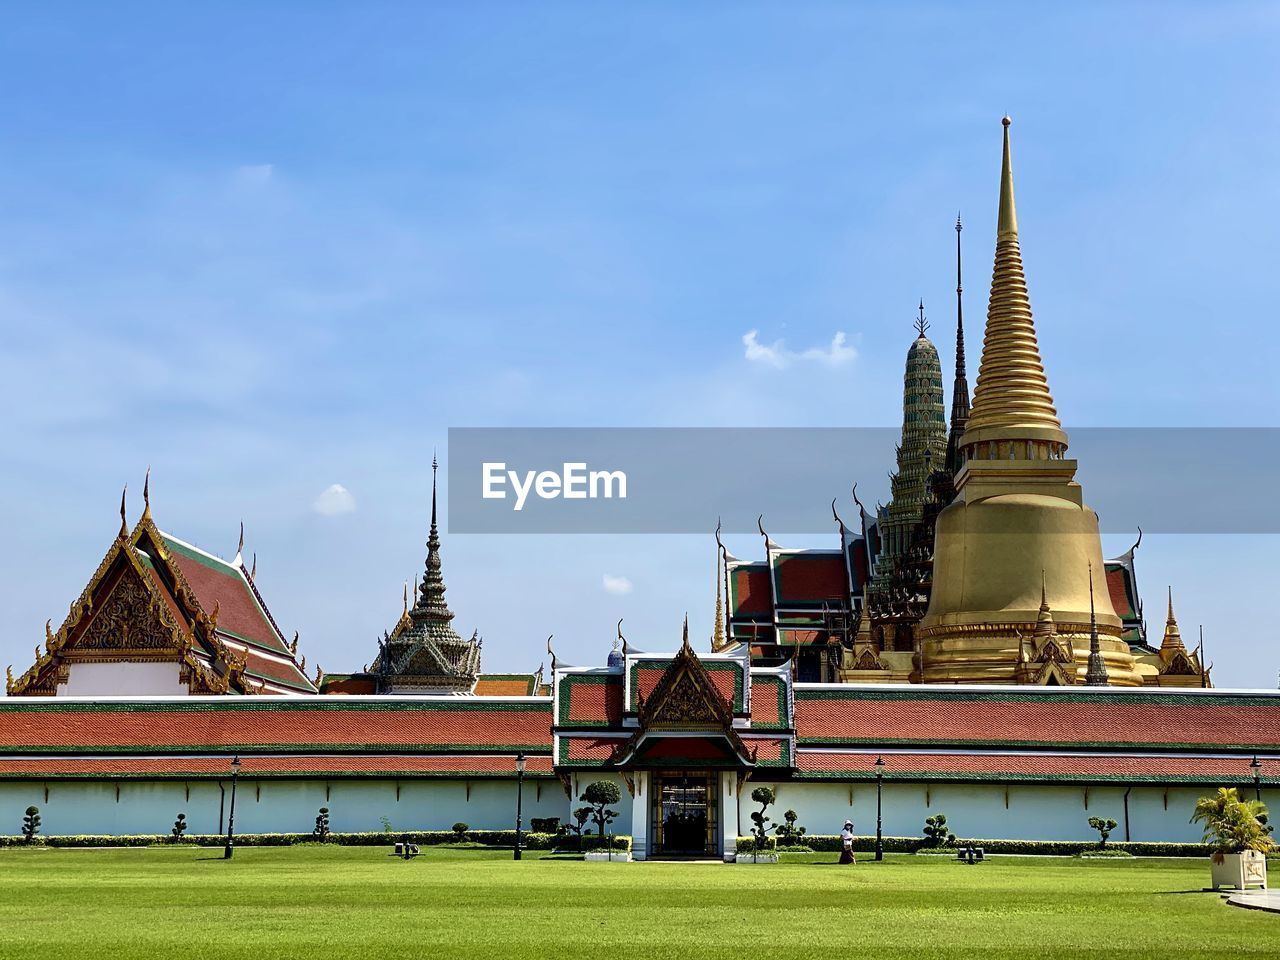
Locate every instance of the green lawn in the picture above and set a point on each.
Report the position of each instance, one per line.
(330, 902)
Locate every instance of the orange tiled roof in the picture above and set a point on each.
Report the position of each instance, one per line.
(286, 725)
(274, 766)
(987, 766)
(1119, 719)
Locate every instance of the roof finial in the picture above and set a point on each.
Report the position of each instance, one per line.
(1008, 218)
(1095, 674)
(921, 323)
(253, 571)
(551, 653)
(431, 594)
(1172, 641)
(619, 640)
(146, 496)
(240, 545)
(124, 523)
(684, 643)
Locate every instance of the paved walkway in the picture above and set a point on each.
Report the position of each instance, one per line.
(1268, 900)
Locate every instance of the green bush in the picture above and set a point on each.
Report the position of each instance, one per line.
(460, 831)
(748, 844)
(789, 833)
(31, 823)
(321, 831)
(763, 796)
(179, 828)
(601, 795)
(1103, 854)
(937, 833)
(1104, 826)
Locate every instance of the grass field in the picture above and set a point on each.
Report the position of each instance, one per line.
(324, 902)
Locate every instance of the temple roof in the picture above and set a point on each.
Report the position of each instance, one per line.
(156, 598)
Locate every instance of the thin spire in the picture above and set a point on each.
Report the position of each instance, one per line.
(1095, 674)
(240, 545)
(1172, 642)
(1011, 400)
(124, 523)
(960, 389)
(146, 496)
(431, 595)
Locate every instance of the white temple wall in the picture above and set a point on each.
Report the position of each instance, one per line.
(123, 680)
(1033, 811)
(276, 806)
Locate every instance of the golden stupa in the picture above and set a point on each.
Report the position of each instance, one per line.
(1019, 520)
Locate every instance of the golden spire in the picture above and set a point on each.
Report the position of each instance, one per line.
(124, 523)
(717, 632)
(146, 496)
(1011, 400)
(1172, 635)
(1044, 620)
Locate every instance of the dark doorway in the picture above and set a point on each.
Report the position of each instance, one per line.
(684, 815)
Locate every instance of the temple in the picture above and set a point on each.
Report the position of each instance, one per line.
(967, 648)
(985, 550)
(162, 617)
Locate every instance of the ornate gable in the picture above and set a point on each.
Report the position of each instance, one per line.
(686, 698)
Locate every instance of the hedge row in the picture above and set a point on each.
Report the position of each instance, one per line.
(493, 838)
(830, 843)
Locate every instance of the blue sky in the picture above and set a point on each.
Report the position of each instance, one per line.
(266, 249)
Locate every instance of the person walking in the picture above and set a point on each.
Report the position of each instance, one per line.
(846, 843)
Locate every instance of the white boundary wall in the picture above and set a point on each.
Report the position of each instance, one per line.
(1034, 811)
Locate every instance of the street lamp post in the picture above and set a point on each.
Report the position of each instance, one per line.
(519, 801)
(1256, 766)
(231, 819)
(879, 808)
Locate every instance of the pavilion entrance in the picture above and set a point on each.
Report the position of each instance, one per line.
(683, 821)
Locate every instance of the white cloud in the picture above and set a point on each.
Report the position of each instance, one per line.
(254, 174)
(616, 585)
(776, 354)
(334, 500)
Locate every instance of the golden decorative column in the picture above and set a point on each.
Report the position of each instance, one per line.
(1019, 513)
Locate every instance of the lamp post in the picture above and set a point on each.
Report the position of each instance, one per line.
(879, 819)
(1256, 766)
(519, 801)
(231, 819)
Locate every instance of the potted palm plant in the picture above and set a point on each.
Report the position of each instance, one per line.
(1238, 831)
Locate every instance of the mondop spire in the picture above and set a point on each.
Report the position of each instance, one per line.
(424, 654)
(1011, 401)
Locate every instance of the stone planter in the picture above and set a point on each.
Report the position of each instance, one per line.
(756, 858)
(604, 856)
(1239, 870)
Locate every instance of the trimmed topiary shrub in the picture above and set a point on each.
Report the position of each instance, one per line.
(179, 827)
(788, 833)
(321, 831)
(1104, 826)
(601, 795)
(763, 796)
(460, 830)
(30, 824)
(936, 832)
